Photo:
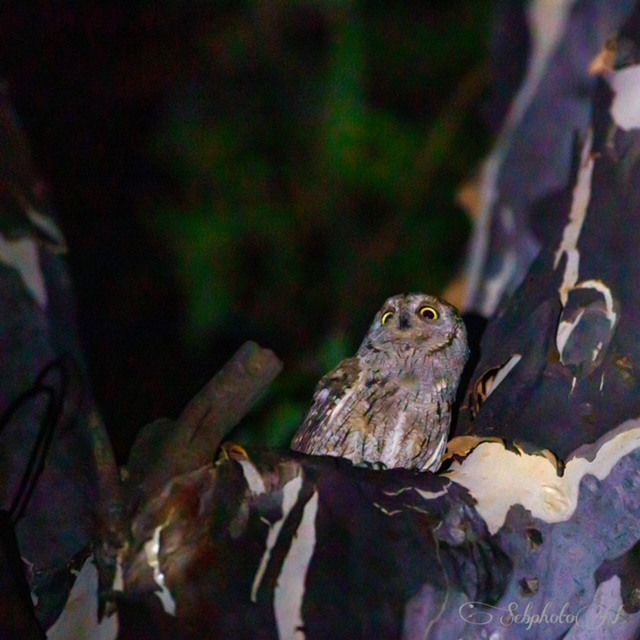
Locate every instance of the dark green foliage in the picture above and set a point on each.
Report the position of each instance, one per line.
(316, 162)
(264, 169)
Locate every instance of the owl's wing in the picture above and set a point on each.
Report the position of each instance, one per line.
(328, 398)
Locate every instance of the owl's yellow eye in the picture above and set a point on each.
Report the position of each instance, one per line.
(386, 316)
(428, 313)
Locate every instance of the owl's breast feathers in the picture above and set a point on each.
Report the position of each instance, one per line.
(366, 411)
(330, 395)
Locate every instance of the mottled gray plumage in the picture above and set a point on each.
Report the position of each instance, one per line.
(391, 403)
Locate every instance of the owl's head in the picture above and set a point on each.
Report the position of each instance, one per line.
(416, 320)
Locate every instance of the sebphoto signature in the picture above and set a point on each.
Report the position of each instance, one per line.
(591, 617)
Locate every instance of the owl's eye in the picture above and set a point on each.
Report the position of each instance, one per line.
(428, 313)
(386, 316)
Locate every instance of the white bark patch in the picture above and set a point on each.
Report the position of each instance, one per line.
(499, 479)
(625, 108)
(547, 20)
(496, 285)
(290, 493)
(79, 618)
(118, 579)
(430, 495)
(289, 593)
(22, 255)
(252, 476)
(151, 550)
(399, 491)
(565, 328)
(570, 235)
(604, 617)
(501, 374)
(480, 240)
(393, 512)
(48, 226)
(600, 286)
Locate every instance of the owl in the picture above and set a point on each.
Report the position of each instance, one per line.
(391, 403)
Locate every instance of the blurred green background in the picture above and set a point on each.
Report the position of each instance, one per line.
(263, 170)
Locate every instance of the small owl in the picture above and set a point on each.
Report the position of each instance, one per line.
(391, 403)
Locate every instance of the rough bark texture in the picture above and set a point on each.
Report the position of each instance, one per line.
(48, 479)
(549, 446)
(166, 449)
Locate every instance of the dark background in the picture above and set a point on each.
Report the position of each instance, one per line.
(266, 170)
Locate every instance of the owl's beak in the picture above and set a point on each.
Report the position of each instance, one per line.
(404, 321)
